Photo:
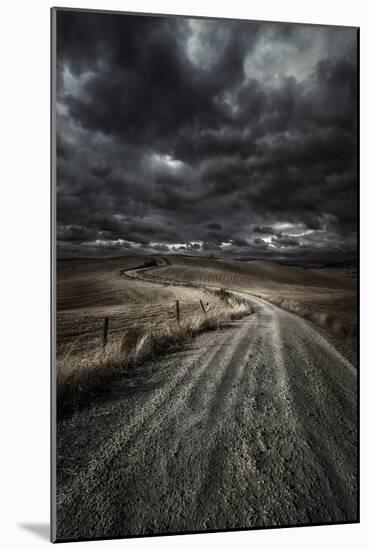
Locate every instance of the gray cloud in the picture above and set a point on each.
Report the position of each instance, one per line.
(263, 229)
(174, 131)
(284, 240)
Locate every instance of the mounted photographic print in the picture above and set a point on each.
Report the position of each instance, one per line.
(205, 218)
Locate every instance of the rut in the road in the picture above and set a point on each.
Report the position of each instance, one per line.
(194, 400)
(252, 425)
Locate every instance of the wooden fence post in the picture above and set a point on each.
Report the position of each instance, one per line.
(105, 332)
(203, 307)
(177, 311)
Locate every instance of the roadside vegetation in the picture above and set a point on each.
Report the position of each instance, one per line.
(327, 315)
(324, 296)
(83, 377)
(142, 315)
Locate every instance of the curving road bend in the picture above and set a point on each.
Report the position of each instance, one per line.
(251, 425)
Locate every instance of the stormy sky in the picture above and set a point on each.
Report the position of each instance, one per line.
(224, 138)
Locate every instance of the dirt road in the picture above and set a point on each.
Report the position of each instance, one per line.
(251, 425)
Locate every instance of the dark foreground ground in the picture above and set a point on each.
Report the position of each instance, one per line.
(252, 425)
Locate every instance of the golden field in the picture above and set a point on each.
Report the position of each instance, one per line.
(142, 311)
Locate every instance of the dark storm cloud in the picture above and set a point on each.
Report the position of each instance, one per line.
(175, 132)
(284, 240)
(100, 170)
(214, 225)
(211, 246)
(75, 233)
(160, 247)
(260, 243)
(240, 242)
(263, 229)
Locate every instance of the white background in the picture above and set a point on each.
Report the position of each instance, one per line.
(24, 271)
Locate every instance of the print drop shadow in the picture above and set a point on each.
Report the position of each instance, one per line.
(42, 530)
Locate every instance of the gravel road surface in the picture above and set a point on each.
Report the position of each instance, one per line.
(251, 425)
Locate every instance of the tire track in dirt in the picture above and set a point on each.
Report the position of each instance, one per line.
(251, 425)
(181, 393)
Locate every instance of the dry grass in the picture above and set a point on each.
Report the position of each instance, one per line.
(142, 319)
(256, 274)
(82, 377)
(89, 290)
(327, 297)
(337, 314)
